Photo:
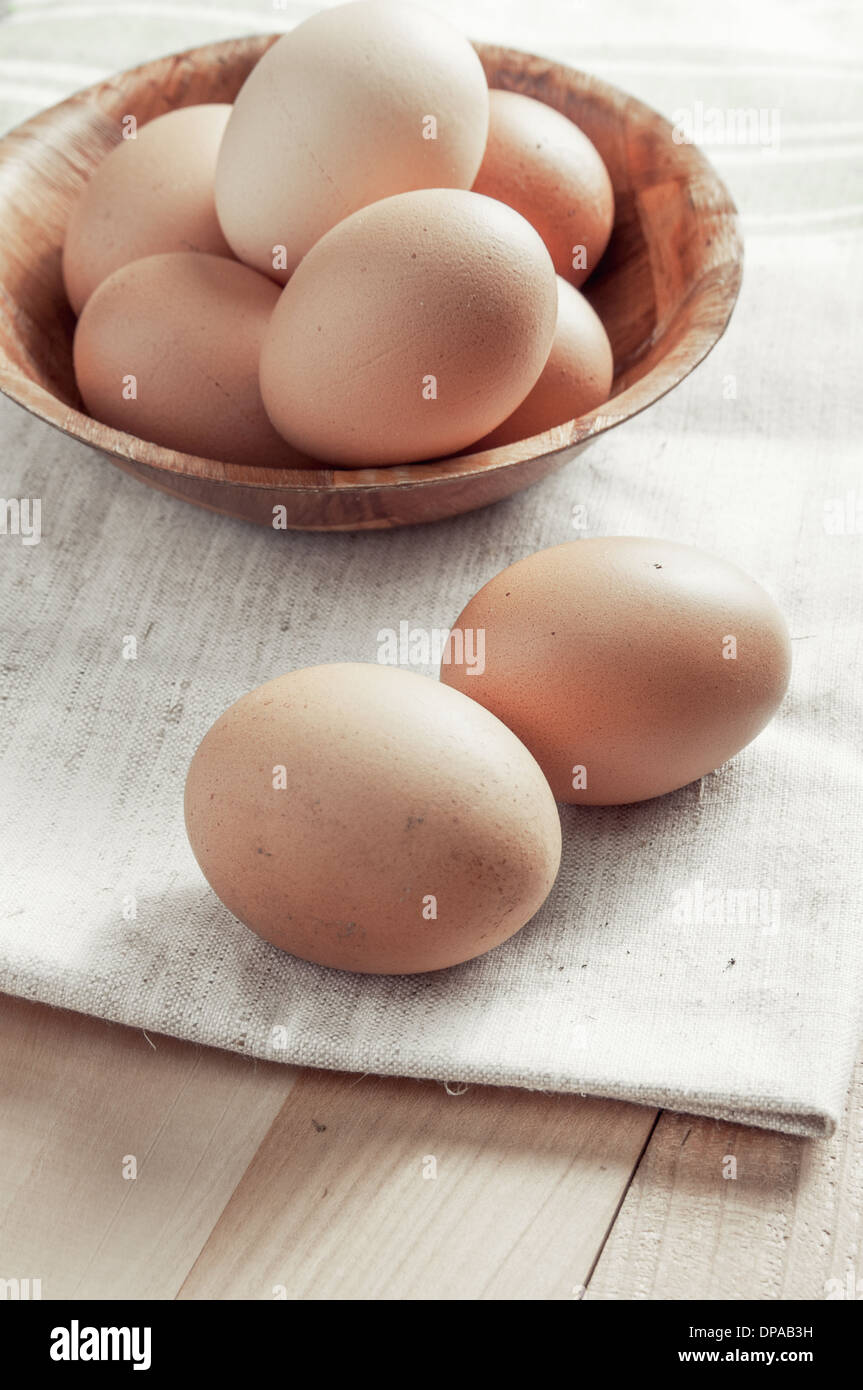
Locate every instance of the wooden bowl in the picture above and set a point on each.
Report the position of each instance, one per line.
(665, 289)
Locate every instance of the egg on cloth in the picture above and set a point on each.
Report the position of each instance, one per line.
(410, 330)
(356, 103)
(576, 378)
(150, 194)
(368, 818)
(167, 349)
(628, 666)
(545, 167)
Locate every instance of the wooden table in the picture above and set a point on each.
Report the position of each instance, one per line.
(256, 1180)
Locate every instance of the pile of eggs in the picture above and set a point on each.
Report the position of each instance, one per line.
(368, 259)
(372, 259)
(372, 819)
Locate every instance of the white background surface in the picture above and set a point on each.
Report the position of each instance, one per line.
(605, 992)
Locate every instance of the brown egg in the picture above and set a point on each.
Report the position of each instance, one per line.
(628, 666)
(542, 165)
(368, 818)
(409, 330)
(167, 349)
(576, 378)
(356, 103)
(151, 194)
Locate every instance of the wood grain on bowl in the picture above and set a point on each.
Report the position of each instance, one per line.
(665, 290)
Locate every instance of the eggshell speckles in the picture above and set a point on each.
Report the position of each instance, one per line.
(151, 194)
(576, 378)
(546, 168)
(167, 349)
(356, 103)
(411, 329)
(627, 666)
(368, 818)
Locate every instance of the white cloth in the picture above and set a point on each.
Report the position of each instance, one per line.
(755, 457)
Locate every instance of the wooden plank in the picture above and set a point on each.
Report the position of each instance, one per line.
(783, 1228)
(335, 1203)
(370, 1188)
(77, 1096)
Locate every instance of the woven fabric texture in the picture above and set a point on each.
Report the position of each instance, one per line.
(701, 951)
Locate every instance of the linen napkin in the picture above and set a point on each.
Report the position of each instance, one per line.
(700, 951)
